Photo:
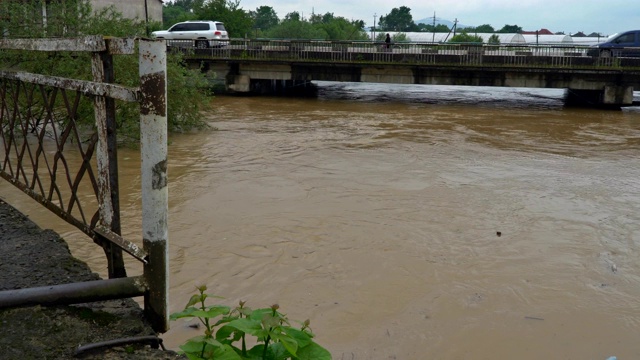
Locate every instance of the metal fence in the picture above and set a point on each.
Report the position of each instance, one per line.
(516, 54)
(42, 132)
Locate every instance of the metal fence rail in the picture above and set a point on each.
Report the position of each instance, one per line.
(40, 126)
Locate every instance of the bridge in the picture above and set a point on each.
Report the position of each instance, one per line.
(282, 66)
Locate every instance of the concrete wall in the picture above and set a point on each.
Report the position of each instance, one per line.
(133, 8)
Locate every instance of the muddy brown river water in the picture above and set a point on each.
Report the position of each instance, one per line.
(407, 222)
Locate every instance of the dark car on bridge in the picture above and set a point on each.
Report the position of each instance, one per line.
(626, 44)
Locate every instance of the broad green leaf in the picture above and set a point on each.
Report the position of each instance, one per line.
(194, 300)
(211, 312)
(288, 342)
(213, 342)
(225, 319)
(302, 338)
(248, 326)
(270, 321)
(226, 352)
(277, 351)
(191, 356)
(192, 346)
(258, 314)
(255, 352)
(246, 311)
(225, 332)
(313, 351)
(188, 312)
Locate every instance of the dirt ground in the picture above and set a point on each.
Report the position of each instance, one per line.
(32, 257)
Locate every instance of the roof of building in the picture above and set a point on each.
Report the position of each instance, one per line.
(542, 31)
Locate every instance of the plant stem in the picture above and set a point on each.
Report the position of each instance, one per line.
(206, 324)
(266, 342)
(266, 345)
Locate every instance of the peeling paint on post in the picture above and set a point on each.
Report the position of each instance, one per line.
(155, 205)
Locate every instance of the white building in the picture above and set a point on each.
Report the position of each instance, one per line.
(589, 40)
(429, 37)
(141, 9)
(548, 39)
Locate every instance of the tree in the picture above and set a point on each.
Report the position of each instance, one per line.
(463, 37)
(399, 19)
(179, 10)
(293, 16)
(339, 28)
(321, 19)
(293, 27)
(510, 29)
(264, 18)
(430, 28)
(237, 21)
(24, 19)
(486, 28)
(494, 40)
(187, 5)
(326, 27)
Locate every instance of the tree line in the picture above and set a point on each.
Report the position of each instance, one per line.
(400, 19)
(263, 22)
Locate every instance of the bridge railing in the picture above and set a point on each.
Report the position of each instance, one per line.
(58, 145)
(553, 55)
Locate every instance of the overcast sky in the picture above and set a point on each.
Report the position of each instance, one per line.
(603, 16)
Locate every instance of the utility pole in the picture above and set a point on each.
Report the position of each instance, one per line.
(373, 33)
(433, 39)
(146, 17)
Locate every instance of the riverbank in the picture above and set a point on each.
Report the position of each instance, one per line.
(32, 257)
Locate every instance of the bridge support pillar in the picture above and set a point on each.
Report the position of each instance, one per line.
(618, 95)
(240, 83)
(610, 96)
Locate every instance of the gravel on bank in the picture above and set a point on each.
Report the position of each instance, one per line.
(33, 257)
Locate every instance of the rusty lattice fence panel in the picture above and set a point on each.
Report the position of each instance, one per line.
(38, 132)
(52, 153)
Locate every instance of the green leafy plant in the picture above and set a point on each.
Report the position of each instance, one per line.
(270, 330)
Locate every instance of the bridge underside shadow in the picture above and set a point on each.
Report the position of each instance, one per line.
(611, 98)
(288, 88)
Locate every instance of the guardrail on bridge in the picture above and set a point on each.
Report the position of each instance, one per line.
(513, 54)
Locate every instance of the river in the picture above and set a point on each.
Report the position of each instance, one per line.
(407, 222)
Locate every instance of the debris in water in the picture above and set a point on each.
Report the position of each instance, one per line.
(533, 318)
(499, 233)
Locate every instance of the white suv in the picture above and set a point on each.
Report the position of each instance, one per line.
(203, 33)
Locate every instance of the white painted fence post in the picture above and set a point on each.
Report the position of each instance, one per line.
(155, 205)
